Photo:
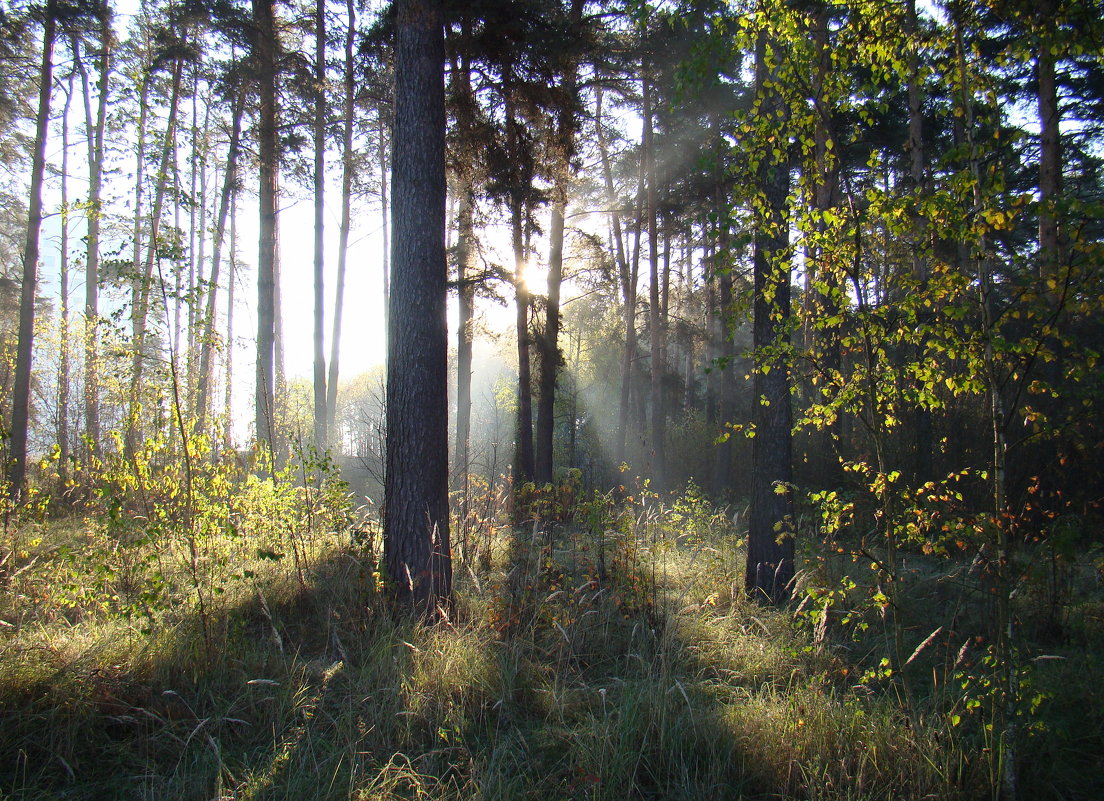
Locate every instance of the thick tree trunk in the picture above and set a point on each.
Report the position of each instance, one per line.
(416, 512)
(268, 156)
(320, 412)
(347, 172)
(770, 561)
(21, 392)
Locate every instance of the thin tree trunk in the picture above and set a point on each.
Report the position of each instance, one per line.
(1050, 162)
(563, 148)
(95, 143)
(465, 252)
(655, 323)
(63, 328)
(1005, 727)
(264, 17)
(200, 286)
(549, 349)
(923, 437)
(385, 211)
(21, 392)
(523, 461)
(347, 172)
(231, 282)
(320, 413)
(229, 182)
(628, 286)
(141, 305)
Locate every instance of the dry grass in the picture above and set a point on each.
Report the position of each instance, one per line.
(652, 680)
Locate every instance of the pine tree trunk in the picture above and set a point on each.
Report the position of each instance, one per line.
(524, 467)
(628, 285)
(268, 157)
(320, 413)
(231, 281)
(655, 324)
(923, 438)
(416, 513)
(207, 338)
(347, 172)
(140, 311)
(1050, 162)
(63, 327)
(95, 143)
(549, 349)
(21, 392)
(385, 211)
(465, 252)
(770, 559)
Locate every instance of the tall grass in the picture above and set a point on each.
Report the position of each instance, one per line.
(606, 654)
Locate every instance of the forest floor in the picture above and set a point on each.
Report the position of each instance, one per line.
(598, 659)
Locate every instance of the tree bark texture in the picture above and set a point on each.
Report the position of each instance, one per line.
(770, 561)
(320, 413)
(655, 323)
(416, 513)
(268, 156)
(207, 339)
(348, 170)
(21, 391)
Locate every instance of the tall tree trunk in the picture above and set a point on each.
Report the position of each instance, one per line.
(563, 149)
(725, 380)
(385, 211)
(416, 512)
(465, 252)
(923, 437)
(524, 467)
(21, 392)
(628, 284)
(320, 413)
(347, 172)
(231, 282)
(1005, 727)
(549, 349)
(264, 17)
(1050, 155)
(770, 559)
(655, 324)
(207, 339)
(199, 286)
(95, 143)
(140, 311)
(63, 328)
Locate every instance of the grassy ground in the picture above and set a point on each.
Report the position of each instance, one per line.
(611, 657)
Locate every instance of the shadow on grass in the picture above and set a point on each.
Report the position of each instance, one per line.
(574, 670)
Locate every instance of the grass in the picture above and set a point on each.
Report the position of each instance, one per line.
(618, 664)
